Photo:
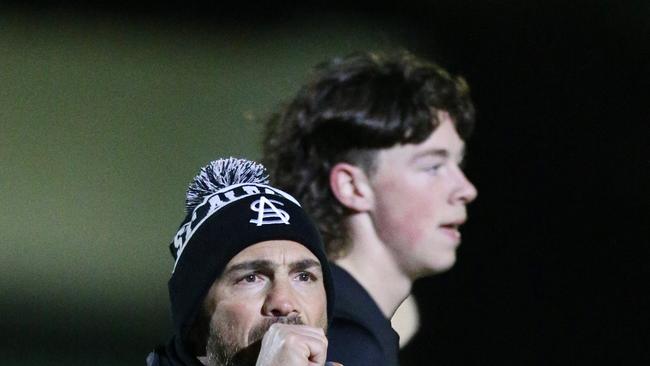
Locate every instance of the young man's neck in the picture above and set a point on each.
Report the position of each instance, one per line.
(374, 267)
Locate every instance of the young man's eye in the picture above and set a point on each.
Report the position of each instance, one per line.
(433, 169)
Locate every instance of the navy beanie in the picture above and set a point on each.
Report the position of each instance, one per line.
(230, 206)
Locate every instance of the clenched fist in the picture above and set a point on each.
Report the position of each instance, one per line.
(293, 345)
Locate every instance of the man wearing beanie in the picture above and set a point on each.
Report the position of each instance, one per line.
(251, 283)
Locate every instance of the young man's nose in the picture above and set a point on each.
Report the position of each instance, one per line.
(465, 191)
(280, 300)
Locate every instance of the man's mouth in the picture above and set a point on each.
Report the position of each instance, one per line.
(248, 355)
(450, 226)
(260, 329)
(451, 229)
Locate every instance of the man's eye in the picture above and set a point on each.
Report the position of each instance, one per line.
(306, 277)
(250, 278)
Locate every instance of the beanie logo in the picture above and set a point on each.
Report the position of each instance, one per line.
(268, 213)
(222, 198)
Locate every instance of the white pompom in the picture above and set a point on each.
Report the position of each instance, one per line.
(220, 174)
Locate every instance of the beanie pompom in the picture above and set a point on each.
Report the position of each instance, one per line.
(222, 173)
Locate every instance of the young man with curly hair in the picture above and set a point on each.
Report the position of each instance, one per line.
(373, 146)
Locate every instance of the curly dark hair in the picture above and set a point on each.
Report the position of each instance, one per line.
(349, 109)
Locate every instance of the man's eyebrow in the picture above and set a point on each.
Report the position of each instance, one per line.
(262, 265)
(304, 264)
(438, 152)
(254, 265)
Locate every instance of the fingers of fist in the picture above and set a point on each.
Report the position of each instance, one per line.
(289, 344)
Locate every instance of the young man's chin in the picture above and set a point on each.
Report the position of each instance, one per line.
(440, 265)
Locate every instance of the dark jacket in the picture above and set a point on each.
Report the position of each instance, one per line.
(359, 334)
(173, 354)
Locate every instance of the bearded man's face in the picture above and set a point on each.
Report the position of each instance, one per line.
(270, 282)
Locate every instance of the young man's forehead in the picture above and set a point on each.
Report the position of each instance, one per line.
(442, 152)
(454, 150)
(444, 141)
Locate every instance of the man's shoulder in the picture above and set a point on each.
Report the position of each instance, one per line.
(349, 292)
(359, 333)
(355, 305)
(171, 354)
(353, 344)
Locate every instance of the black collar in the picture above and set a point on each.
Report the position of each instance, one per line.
(354, 303)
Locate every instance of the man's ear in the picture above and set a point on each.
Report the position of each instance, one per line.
(351, 187)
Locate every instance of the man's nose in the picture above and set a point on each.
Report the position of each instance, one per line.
(280, 300)
(465, 191)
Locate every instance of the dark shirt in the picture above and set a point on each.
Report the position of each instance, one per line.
(359, 334)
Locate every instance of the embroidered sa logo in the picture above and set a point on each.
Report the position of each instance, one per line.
(268, 212)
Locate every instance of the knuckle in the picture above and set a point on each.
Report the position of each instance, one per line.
(291, 338)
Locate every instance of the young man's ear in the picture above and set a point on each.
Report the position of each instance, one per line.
(351, 187)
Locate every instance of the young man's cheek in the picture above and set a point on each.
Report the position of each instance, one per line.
(408, 222)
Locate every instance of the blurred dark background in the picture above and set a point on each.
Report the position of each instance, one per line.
(108, 109)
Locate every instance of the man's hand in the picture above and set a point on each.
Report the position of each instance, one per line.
(293, 345)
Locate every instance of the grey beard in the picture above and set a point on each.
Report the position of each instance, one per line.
(224, 352)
